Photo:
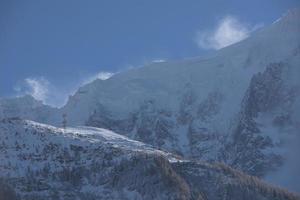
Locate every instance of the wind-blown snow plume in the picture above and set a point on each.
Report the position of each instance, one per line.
(104, 75)
(228, 31)
(42, 89)
(158, 60)
(101, 75)
(36, 87)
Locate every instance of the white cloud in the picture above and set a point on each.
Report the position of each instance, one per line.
(37, 87)
(228, 31)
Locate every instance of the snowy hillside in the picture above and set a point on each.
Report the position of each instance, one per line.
(44, 162)
(239, 106)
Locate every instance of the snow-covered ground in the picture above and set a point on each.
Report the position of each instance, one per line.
(38, 161)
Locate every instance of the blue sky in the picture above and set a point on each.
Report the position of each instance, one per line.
(48, 48)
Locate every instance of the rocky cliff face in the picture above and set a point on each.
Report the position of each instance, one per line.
(44, 162)
(239, 106)
(264, 123)
(245, 117)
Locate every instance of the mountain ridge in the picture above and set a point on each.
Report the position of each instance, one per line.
(43, 161)
(238, 106)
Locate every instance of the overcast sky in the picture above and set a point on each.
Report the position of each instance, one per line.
(48, 48)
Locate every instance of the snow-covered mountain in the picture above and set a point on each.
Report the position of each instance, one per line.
(39, 161)
(26, 107)
(241, 101)
(239, 105)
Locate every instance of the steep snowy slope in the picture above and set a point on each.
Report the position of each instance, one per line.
(239, 106)
(44, 162)
(201, 107)
(228, 72)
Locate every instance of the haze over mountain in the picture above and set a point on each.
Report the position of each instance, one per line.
(239, 106)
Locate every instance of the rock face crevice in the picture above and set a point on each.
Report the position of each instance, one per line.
(250, 147)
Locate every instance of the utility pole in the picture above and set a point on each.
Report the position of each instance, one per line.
(64, 122)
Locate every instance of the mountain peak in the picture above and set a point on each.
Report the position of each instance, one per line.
(293, 13)
(26, 99)
(291, 16)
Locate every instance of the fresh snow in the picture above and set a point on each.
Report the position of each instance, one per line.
(225, 74)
